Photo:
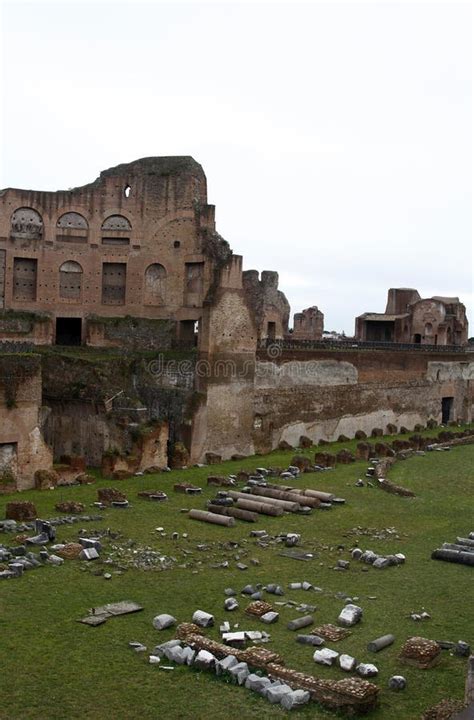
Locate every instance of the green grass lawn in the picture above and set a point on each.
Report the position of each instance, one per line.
(54, 668)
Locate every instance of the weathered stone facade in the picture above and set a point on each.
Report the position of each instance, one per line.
(133, 262)
(23, 450)
(269, 305)
(308, 324)
(139, 241)
(323, 394)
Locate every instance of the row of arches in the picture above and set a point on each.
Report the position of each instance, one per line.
(71, 274)
(27, 221)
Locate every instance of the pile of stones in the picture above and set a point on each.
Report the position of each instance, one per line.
(131, 555)
(389, 533)
(377, 561)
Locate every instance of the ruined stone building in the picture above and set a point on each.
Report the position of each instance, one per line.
(409, 319)
(138, 242)
(270, 306)
(308, 324)
(183, 354)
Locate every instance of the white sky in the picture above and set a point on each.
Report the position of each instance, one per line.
(336, 138)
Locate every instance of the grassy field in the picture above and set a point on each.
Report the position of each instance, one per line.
(53, 667)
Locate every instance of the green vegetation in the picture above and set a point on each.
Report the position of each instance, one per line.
(7, 478)
(15, 316)
(93, 355)
(56, 668)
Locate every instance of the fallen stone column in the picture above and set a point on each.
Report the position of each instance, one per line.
(300, 622)
(286, 496)
(456, 546)
(318, 494)
(465, 541)
(259, 507)
(284, 504)
(455, 556)
(380, 643)
(234, 512)
(211, 518)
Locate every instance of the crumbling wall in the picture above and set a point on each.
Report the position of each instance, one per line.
(106, 405)
(308, 324)
(269, 305)
(24, 326)
(131, 333)
(22, 445)
(223, 420)
(94, 249)
(324, 395)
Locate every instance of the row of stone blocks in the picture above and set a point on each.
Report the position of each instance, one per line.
(352, 695)
(305, 442)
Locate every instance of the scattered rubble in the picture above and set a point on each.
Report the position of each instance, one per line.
(377, 561)
(350, 694)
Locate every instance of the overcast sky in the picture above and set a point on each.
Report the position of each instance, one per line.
(336, 138)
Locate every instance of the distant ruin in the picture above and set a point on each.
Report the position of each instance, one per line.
(409, 319)
(201, 361)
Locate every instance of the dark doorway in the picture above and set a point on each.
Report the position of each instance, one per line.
(68, 331)
(188, 334)
(446, 409)
(417, 339)
(271, 330)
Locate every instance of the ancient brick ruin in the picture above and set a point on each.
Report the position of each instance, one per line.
(409, 319)
(132, 263)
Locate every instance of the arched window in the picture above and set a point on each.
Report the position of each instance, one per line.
(27, 223)
(155, 285)
(70, 280)
(428, 329)
(72, 221)
(116, 222)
